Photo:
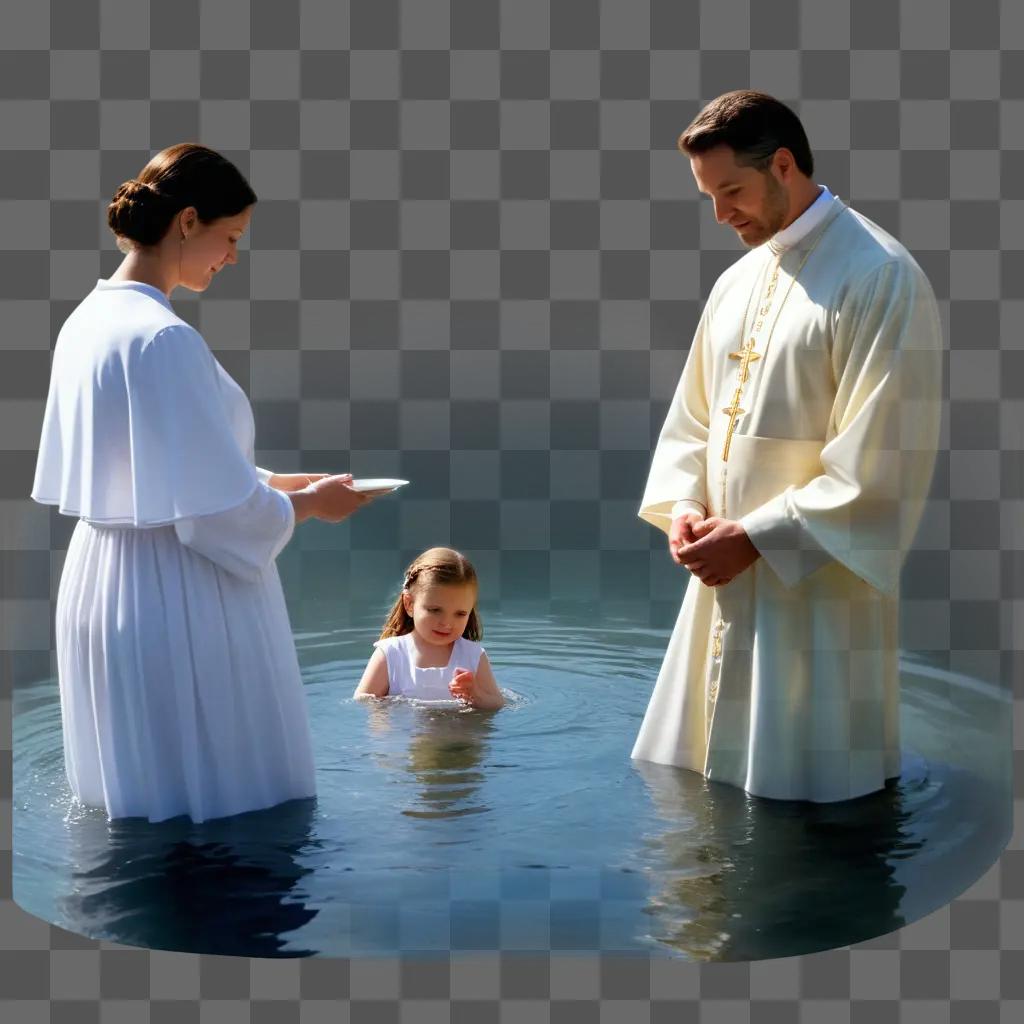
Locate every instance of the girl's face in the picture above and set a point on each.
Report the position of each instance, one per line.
(210, 247)
(440, 611)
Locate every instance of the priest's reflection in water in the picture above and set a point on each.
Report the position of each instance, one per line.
(228, 886)
(737, 877)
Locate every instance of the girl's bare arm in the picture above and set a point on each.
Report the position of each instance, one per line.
(375, 677)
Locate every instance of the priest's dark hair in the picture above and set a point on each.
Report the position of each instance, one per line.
(754, 125)
(187, 174)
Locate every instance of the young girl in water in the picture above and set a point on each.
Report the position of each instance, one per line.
(429, 646)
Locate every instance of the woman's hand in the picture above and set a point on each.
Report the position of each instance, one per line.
(329, 498)
(291, 482)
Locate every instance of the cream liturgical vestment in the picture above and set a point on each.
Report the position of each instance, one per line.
(808, 410)
(179, 682)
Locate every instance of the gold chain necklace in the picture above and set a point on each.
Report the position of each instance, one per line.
(746, 354)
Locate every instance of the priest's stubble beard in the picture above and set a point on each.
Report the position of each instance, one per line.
(773, 217)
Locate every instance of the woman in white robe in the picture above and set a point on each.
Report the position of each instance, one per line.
(179, 681)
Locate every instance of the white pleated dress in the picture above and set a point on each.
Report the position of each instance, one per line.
(179, 682)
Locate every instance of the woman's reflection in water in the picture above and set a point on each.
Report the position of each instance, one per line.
(228, 886)
(736, 877)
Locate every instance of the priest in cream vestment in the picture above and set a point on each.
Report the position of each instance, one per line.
(804, 427)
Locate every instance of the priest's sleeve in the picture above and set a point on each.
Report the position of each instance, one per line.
(676, 481)
(879, 453)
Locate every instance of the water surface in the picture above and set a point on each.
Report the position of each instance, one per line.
(438, 828)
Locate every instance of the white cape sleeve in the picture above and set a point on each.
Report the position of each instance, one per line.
(243, 540)
(676, 481)
(879, 456)
(140, 435)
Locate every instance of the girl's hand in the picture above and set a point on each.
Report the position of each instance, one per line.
(289, 482)
(461, 687)
(479, 689)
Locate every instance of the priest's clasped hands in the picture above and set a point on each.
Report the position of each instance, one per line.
(715, 550)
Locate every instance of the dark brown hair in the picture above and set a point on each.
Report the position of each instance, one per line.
(187, 174)
(754, 125)
(435, 567)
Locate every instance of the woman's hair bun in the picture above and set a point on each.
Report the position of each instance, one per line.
(139, 212)
(131, 188)
(183, 175)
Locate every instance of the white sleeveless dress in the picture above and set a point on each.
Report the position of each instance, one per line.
(406, 680)
(179, 683)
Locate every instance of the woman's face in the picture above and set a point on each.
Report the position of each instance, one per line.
(208, 247)
(440, 611)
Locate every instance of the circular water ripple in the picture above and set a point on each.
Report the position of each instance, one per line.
(439, 827)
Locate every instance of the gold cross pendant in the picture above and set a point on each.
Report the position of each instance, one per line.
(746, 356)
(733, 411)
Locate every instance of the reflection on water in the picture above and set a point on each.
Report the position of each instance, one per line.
(445, 755)
(229, 886)
(438, 827)
(733, 872)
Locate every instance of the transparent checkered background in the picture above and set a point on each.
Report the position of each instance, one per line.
(476, 262)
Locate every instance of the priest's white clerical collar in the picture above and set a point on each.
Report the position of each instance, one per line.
(804, 224)
(105, 284)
